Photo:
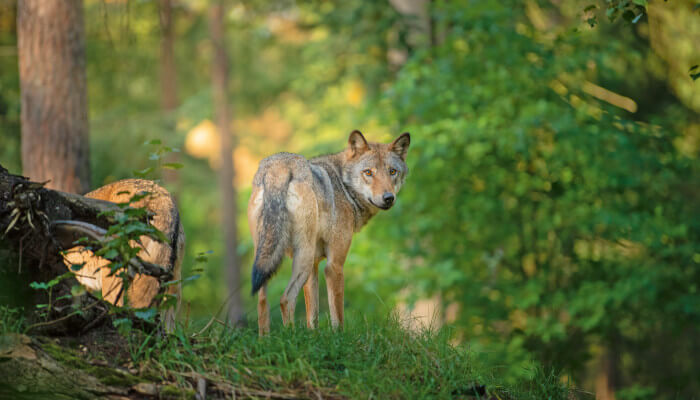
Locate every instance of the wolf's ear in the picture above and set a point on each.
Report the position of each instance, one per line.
(357, 143)
(400, 145)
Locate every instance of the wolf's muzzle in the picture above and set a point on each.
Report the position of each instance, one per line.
(388, 199)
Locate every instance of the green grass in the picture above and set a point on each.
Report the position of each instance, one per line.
(371, 358)
(11, 320)
(374, 358)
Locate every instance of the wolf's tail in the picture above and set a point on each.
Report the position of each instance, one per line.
(273, 228)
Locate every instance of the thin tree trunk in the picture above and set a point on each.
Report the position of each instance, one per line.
(168, 73)
(226, 174)
(168, 83)
(607, 376)
(54, 114)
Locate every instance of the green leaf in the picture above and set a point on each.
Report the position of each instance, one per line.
(138, 196)
(144, 172)
(77, 290)
(123, 325)
(643, 3)
(203, 257)
(173, 165)
(146, 315)
(110, 254)
(610, 13)
(38, 285)
(694, 72)
(170, 301)
(152, 142)
(53, 282)
(77, 267)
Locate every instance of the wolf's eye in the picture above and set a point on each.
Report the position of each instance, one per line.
(392, 171)
(367, 172)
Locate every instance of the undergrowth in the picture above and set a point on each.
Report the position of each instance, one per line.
(11, 320)
(369, 359)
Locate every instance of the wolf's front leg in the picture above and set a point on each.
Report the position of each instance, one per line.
(335, 284)
(263, 312)
(335, 281)
(311, 298)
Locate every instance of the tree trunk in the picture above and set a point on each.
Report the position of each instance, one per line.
(226, 174)
(168, 84)
(54, 114)
(607, 376)
(168, 73)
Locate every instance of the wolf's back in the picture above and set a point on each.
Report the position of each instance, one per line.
(273, 228)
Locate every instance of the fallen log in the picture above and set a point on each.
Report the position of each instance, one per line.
(39, 224)
(38, 367)
(30, 372)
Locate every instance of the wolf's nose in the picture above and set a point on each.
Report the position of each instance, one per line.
(388, 199)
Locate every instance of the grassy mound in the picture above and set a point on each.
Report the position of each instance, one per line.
(370, 358)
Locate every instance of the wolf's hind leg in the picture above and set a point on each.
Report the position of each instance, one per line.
(263, 312)
(301, 269)
(311, 298)
(303, 209)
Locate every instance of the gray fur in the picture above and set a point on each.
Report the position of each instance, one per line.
(337, 183)
(274, 226)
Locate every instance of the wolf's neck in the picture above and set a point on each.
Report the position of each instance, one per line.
(361, 209)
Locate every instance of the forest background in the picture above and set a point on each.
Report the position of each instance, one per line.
(551, 212)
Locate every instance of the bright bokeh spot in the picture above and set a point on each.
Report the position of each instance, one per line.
(203, 141)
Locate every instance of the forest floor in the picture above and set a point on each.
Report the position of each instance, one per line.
(368, 359)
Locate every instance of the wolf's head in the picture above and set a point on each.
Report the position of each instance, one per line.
(376, 170)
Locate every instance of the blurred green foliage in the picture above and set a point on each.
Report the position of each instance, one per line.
(550, 219)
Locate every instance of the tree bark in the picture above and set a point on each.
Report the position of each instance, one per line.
(168, 84)
(54, 113)
(30, 372)
(168, 71)
(607, 377)
(226, 174)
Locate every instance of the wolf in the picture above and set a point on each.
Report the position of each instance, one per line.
(95, 273)
(309, 210)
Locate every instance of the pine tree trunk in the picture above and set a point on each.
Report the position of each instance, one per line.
(168, 86)
(168, 72)
(54, 114)
(607, 376)
(226, 174)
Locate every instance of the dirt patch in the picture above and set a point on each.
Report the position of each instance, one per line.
(102, 344)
